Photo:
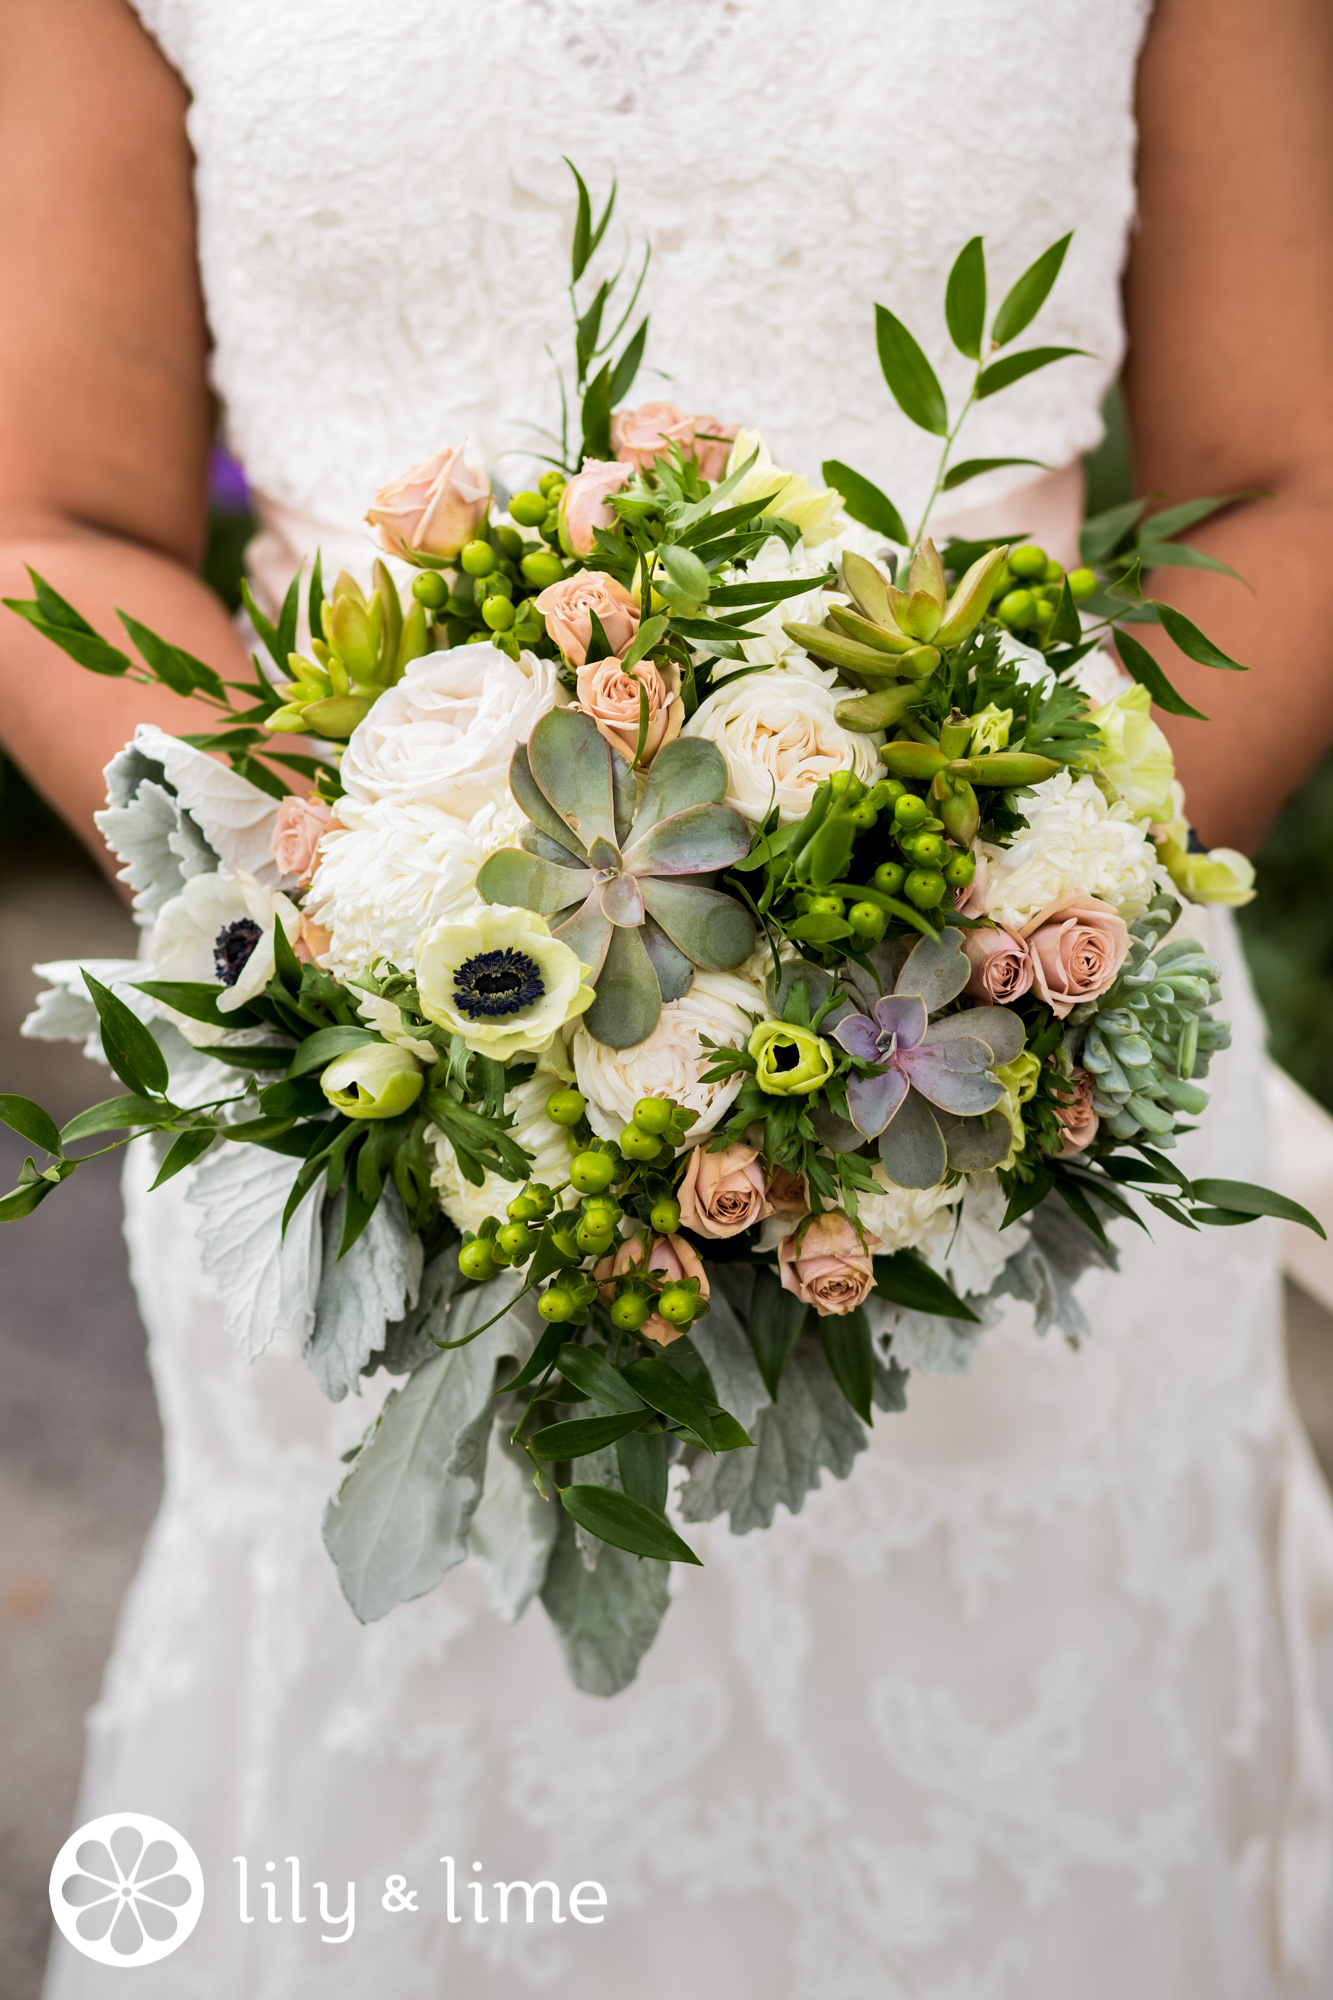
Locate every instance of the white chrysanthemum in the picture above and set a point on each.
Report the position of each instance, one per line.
(1074, 843)
(780, 737)
(670, 1063)
(904, 1217)
(965, 1244)
(468, 1206)
(388, 873)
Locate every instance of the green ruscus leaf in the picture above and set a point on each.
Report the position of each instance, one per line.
(911, 379)
(865, 503)
(1025, 298)
(965, 299)
(128, 1046)
(626, 1524)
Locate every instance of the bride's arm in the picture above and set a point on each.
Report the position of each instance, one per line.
(1230, 379)
(105, 417)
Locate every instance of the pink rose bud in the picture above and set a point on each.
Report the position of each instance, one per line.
(567, 607)
(1078, 946)
(1001, 966)
(828, 1267)
(640, 436)
(722, 1193)
(788, 1195)
(660, 1258)
(611, 697)
(712, 446)
(436, 507)
(1077, 1118)
(583, 504)
(297, 832)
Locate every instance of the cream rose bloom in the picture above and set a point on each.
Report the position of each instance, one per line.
(444, 735)
(780, 737)
(670, 1063)
(467, 1206)
(1075, 844)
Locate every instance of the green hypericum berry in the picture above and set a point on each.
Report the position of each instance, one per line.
(478, 559)
(1082, 582)
(653, 1115)
(863, 815)
(524, 1209)
(638, 1145)
(549, 483)
(510, 541)
(543, 568)
(664, 1216)
(591, 1173)
(926, 849)
(602, 1211)
(430, 589)
(529, 509)
(909, 810)
(1017, 610)
(846, 785)
(498, 613)
(826, 906)
(1028, 561)
(1043, 612)
(565, 1107)
(630, 1310)
(868, 922)
(888, 878)
(959, 870)
(592, 1242)
(924, 887)
(518, 1241)
(893, 789)
(1052, 572)
(475, 1261)
(557, 1304)
(676, 1306)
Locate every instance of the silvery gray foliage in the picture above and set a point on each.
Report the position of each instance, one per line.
(810, 1429)
(404, 1513)
(235, 817)
(151, 832)
(605, 1618)
(931, 1344)
(1059, 1250)
(596, 1468)
(411, 1340)
(724, 1346)
(359, 1294)
(64, 1012)
(514, 1528)
(267, 1282)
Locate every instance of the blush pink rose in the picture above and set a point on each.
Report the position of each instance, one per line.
(312, 941)
(663, 1258)
(1078, 946)
(611, 697)
(640, 436)
(1001, 966)
(297, 831)
(568, 606)
(1077, 1118)
(722, 1193)
(583, 504)
(788, 1195)
(435, 507)
(828, 1267)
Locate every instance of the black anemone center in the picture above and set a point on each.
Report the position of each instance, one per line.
(786, 1056)
(235, 942)
(496, 983)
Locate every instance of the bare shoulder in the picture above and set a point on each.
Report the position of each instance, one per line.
(104, 410)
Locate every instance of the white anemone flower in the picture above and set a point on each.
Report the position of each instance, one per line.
(502, 982)
(220, 928)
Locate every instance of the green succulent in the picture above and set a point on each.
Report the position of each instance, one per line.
(610, 875)
(1146, 1041)
(365, 648)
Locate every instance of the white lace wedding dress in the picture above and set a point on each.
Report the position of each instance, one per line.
(1022, 1708)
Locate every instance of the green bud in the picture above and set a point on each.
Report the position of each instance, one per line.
(565, 1107)
(478, 559)
(924, 888)
(1028, 561)
(956, 734)
(529, 625)
(971, 599)
(377, 1081)
(1082, 582)
(529, 509)
(338, 716)
(430, 589)
(542, 568)
(912, 760)
(1005, 767)
(791, 1061)
(510, 541)
(959, 809)
(990, 729)
(865, 714)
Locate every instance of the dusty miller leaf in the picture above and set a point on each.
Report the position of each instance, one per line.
(360, 1293)
(513, 1529)
(605, 1618)
(724, 1345)
(1044, 1273)
(267, 1282)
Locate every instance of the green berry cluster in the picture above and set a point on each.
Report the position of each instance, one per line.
(487, 597)
(1027, 592)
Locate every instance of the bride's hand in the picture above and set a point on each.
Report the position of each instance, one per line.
(1229, 382)
(105, 415)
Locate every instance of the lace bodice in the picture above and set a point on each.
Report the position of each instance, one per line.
(384, 215)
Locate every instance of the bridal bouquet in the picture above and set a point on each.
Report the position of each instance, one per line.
(660, 977)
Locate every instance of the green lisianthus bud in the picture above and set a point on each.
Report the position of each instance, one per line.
(1134, 755)
(791, 1061)
(377, 1081)
(1220, 876)
(1019, 1078)
(990, 729)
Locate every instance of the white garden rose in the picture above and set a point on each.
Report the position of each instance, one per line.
(388, 873)
(220, 928)
(467, 1206)
(719, 1007)
(1074, 844)
(780, 738)
(904, 1217)
(444, 735)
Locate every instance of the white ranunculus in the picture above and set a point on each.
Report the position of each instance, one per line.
(220, 927)
(904, 1217)
(670, 1063)
(388, 873)
(468, 1206)
(1074, 843)
(444, 735)
(779, 736)
(965, 1244)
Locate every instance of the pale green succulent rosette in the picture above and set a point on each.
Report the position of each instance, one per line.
(616, 877)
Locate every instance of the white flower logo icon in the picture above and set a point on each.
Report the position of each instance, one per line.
(126, 1889)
